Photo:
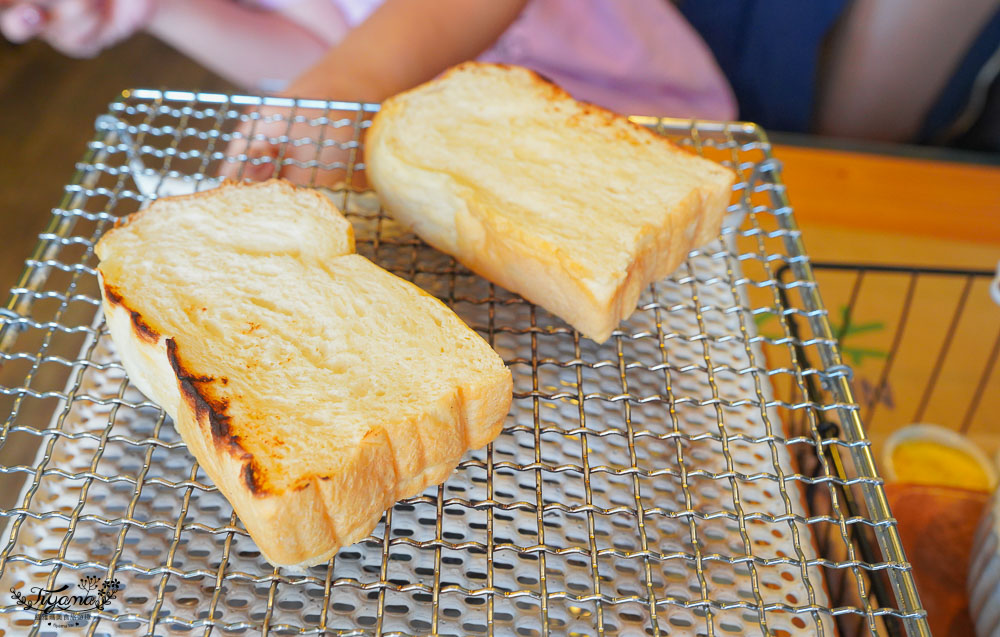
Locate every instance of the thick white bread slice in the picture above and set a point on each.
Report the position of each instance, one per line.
(572, 206)
(315, 388)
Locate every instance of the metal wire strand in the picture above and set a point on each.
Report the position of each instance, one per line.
(601, 431)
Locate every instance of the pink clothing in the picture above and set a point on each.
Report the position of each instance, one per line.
(638, 57)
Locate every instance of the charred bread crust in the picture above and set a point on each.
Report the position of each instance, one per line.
(190, 384)
(194, 391)
(195, 387)
(142, 329)
(298, 522)
(250, 475)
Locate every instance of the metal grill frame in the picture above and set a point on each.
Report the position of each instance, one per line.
(912, 275)
(850, 447)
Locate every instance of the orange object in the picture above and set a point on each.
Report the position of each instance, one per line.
(924, 462)
(945, 200)
(937, 526)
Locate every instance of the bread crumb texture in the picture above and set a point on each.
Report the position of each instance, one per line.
(294, 363)
(501, 168)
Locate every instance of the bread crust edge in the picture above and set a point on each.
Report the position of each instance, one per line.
(309, 522)
(661, 252)
(306, 525)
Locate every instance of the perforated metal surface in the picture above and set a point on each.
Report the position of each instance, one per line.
(651, 485)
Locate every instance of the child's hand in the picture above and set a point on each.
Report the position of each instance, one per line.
(78, 28)
(305, 151)
(400, 45)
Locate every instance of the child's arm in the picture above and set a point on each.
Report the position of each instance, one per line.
(259, 49)
(404, 43)
(248, 46)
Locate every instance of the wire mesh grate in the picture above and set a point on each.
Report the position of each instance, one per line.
(651, 485)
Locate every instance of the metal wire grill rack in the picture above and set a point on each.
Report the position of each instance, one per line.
(646, 486)
(946, 364)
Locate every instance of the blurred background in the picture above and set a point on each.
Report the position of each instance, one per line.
(48, 103)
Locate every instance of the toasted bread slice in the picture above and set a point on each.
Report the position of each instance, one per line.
(571, 206)
(313, 387)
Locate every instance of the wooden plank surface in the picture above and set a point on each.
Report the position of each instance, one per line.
(889, 194)
(863, 208)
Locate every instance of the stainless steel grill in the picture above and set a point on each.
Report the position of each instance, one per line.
(652, 485)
